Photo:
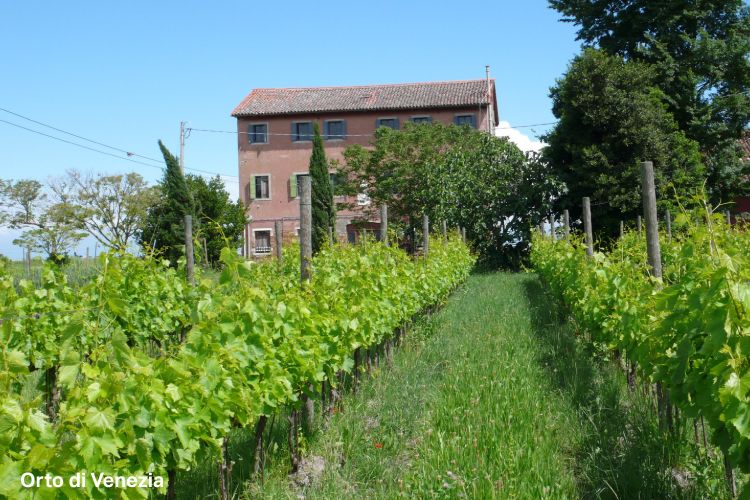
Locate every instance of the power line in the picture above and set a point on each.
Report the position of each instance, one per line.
(215, 131)
(527, 126)
(229, 177)
(129, 153)
(79, 145)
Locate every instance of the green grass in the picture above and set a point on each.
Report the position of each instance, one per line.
(491, 397)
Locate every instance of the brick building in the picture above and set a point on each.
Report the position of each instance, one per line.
(275, 131)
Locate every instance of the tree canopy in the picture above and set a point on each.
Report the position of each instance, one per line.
(46, 221)
(698, 53)
(164, 227)
(323, 213)
(220, 221)
(112, 208)
(611, 117)
(459, 175)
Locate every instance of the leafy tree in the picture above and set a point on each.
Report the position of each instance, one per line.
(699, 55)
(220, 220)
(323, 214)
(403, 168)
(21, 202)
(164, 228)
(112, 208)
(55, 238)
(460, 175)
(611, 117)
(47, 223)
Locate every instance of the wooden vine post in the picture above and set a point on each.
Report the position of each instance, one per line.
(638, 224)
(552, 229)
(260, 426)
(649, 214)
(189, 269)
(425, 235)
(384, 224)
(622, 229)
(384, 239)
(278, 234)
(654, 260)
(305, 237)
(566, 223)
(189, 256)
(444, 229)
(305, 227)
(258, 454)
(587, 226)
(225, 470)
(669, 225)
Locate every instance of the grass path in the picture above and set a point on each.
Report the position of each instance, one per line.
(466, 410)
(492, 397)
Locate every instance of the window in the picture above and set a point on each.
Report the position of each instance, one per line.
(337, 182)
(294, 184)
(421, 119)
(257, 133)
(260, 187)
(465, 120)
(262, 241)
(335, 129)
(387, 122)
(301, 131)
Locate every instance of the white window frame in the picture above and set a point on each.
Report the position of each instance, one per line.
(270, 237)
(270, 191)
(297, 174)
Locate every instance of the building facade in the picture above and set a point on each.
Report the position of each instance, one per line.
(275, 129)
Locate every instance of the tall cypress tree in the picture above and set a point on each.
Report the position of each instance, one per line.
(164, 228)
(323, 215)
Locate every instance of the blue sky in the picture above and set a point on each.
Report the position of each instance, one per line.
(126, 73)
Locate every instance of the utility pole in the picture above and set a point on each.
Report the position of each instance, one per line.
(182, 147)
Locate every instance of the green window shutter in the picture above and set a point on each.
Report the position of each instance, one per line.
(293, 186)
(251, 188)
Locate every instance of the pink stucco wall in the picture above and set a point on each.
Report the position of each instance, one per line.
(281, 158)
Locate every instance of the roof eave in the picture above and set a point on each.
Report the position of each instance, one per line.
(241, 114)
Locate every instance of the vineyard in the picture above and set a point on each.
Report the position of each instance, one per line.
(145, 374)
(683, 338)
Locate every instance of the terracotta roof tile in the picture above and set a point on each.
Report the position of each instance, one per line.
(264, 102)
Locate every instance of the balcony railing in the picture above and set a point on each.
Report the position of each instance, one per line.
(262, 250)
